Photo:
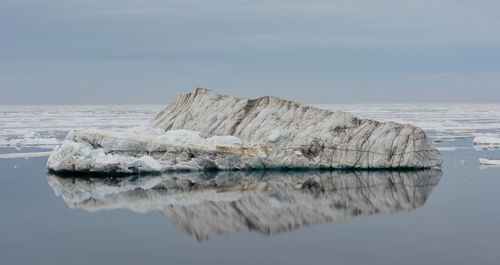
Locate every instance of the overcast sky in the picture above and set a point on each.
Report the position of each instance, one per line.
(355, 51)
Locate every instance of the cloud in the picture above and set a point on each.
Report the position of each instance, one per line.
(263, 43)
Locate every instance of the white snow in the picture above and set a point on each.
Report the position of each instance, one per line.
(128, 140)
(78, 156)
(173, 136)
(227, 140)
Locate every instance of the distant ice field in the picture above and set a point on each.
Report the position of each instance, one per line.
(46, 126)
(42, 128)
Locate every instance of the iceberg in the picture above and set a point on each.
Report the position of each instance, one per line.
(202, 130)
(206, 204)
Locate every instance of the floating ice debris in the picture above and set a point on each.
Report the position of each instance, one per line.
(460, 162)
(489, 162)
(26, 155)
(203, 130)
(486, 141)
(31, 140)
(451, 148)
(45, 126)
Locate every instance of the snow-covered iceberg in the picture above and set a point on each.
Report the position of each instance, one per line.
(206, 204)
(204, 130)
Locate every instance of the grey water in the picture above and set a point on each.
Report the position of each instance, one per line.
(449, 217)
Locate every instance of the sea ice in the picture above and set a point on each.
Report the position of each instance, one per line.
(441, 122)
(25, 155)
(451, 148)
(489, 162)
(31, 140)
(203, 130)
(486, 141)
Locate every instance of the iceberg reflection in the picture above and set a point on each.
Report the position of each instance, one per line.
(207, 204)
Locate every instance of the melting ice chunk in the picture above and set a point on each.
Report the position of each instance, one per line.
(486, 140)
(489, 162)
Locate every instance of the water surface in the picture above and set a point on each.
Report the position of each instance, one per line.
(423, 217)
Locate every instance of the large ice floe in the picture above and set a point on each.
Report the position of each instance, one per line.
(486, 141)
(204, 130)
(485, 163)
(207, 203)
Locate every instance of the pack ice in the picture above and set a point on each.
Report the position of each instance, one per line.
(203, 130)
